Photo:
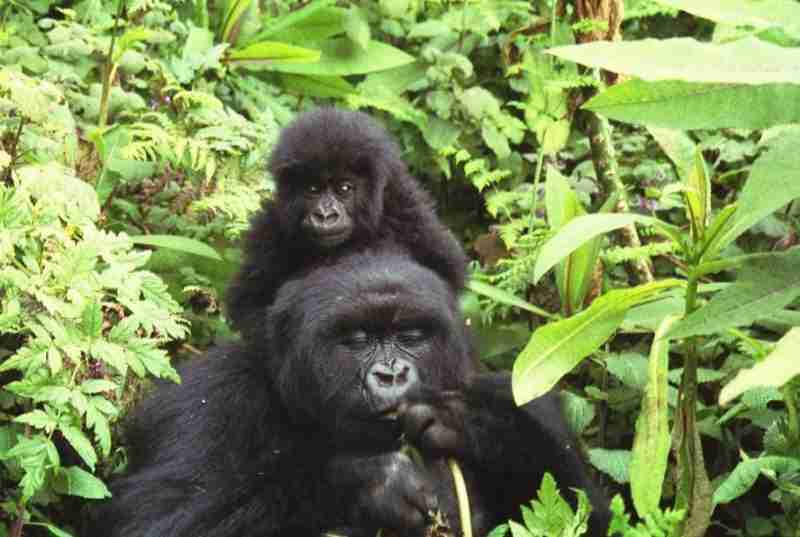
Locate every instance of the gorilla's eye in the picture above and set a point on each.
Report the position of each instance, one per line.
(356, 339)
(412, 335)
(345, 187)
(313, 189)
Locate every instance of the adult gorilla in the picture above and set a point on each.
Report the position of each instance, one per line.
(304, 438)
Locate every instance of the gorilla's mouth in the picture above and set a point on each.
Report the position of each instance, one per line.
(389, 414)
(333, 238)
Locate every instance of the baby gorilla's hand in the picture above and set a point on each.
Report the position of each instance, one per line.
(389, 491)
(436, 425)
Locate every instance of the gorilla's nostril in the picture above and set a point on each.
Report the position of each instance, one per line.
(384, 379)
(402, 377)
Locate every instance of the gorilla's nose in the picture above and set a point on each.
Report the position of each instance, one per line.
(323, 217)
(389, 381)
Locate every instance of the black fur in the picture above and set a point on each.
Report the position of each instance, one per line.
(281, 442)
(391, 207)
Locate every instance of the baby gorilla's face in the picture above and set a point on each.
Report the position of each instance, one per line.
(329, 204)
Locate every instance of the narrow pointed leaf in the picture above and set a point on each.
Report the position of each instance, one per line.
(582, 229)
(342, 57)
(504, 297)
(676, 104)
(651, 443)
(556, 348)
(777, 369)
(698, 196)
(746, 61)
(762, 14)
(266, 52)
(766, 284)
(181, 244)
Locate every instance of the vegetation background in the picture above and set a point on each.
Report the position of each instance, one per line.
(625, 176)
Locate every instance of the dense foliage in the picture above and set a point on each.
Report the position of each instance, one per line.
(133, 139)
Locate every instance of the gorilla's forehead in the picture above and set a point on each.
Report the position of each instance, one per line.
(365, 288)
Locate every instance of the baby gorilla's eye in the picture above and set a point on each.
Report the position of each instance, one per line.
(345, 187)
(313, 189)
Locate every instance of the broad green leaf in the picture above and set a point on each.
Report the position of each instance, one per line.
(310, 24)
(356, 26)
(504, 297)
(317, 86)
(678, 146)
(181, 244)
(556, 348)
(615, 463)
(574, 273)
(265, 52)
(676, 104)
(698, 196)
(342, 57)
(773, 183)
(766, 284)
(747, 61)
(92, 320)
(777, 369)
(762, 14)
(651, 442)
(77, 482)
(746, 472)
(583, 229)
(80, 443)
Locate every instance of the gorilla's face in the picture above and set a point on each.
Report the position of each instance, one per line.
(351, 342)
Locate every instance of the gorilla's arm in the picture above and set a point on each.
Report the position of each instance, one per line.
(508, 448)
(213, 457)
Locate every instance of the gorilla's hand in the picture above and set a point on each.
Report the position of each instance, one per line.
(435, 424)
(389, 491)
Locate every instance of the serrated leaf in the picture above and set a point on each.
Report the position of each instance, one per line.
(77, 482)
(612, 462)
(778, 368)
(746, 61)
(93, 386)
(675, 104)
(766, 284)
(746, 472)
(39, 419)
(518, 530)
(651, 442)
(92, 320)
(110, 353)
(102, 432)
(556, 348)
(80, 443)
(578, 411)
(180, 244)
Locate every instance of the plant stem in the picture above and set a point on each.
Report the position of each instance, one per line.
(790, 401)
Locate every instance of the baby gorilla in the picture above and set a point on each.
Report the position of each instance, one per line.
(341, 185)
(301, 433)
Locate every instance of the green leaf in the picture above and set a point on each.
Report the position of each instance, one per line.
(678, 146)
(612, 462)
(763, 14)
(651, 442)
(92, 320)
(574, 273)
(698, 196)
(310, 24)
(556, 348)
(676, 104)
(54, 530)
(772, 184)
(38, 419)
(93, 386)
(778, 368)
(80, 443)
(504, 297)
(265, 52)
(181, 244)
(77, 482)
(746, 472)
(342, 57)
(746, 61)
(96, 421)
(766, 284)
(356, 26)
(317, 86)
(583, 229)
